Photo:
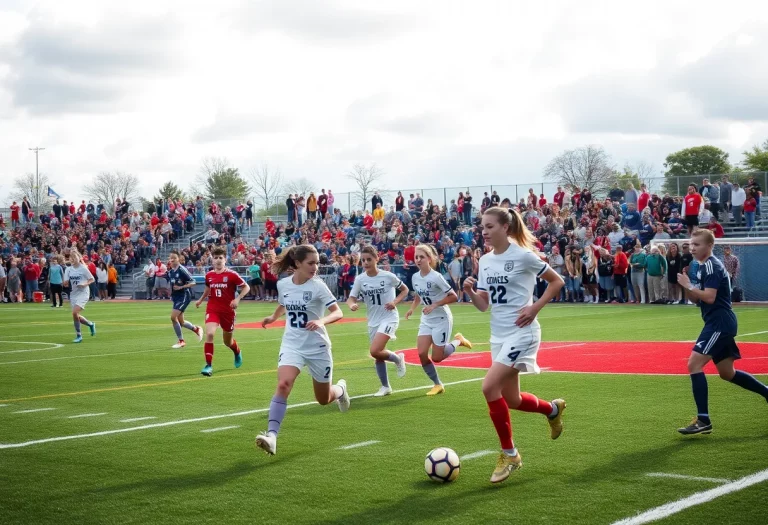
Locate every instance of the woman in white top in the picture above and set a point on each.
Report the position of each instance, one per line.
(436, 318)
(505, 283)
(101, 280)
(377, 288)
(305, 340)
(79, 279)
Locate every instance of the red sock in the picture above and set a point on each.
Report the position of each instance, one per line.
(208, 353)
(234, 347)
(531, 403)
(499, 412)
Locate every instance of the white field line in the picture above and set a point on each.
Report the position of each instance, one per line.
(698, 498)
(33, 410)
(78, 357)
(753, 333)
(358, 445)
(1, 405)
(78, 416)
(51, 346)
(205, 418)
(478, 454)
(219, 429)
(133, 419)
(689, 478)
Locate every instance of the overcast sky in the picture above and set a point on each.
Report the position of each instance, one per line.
(437, 93)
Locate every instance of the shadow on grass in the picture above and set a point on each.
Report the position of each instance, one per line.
(429, 502)
(361, 405)
(153, 377)
(191, 481)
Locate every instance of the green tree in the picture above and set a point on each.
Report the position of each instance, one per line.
(757, 159)
(626, 177)
(218, 180)
(169, 191)
(692, 164)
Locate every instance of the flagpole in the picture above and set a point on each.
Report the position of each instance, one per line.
(37, 150)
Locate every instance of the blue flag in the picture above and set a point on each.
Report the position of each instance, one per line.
(52, 193)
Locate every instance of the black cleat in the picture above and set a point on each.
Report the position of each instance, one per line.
(696, 427)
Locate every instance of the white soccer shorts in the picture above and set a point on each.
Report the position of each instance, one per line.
(439, 328)
(387, 328)
(319, 361)
(520, 350)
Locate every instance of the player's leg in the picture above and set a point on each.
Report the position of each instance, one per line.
(286, 377)
(740, 378)
(231, 343)
(76, 321)
(211, 324)
(321, 369)
(701, 424)
(175, 314)
(90, 324)
(423, 343)
(496, 379)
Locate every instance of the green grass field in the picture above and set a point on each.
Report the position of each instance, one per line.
(618, 428)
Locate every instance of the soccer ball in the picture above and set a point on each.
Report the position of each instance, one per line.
(442, 465)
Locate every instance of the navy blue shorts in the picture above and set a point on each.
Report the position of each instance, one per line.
(717, 345)
(180, 303)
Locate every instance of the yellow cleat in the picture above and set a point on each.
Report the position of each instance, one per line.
(556, 423)
(463, 341)
(437, 389)
(505, 465)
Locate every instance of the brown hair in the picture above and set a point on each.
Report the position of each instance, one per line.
(219, 251)
(516, 228)
(430, 252)
(288, 259)
(709, 237)
(370, 250)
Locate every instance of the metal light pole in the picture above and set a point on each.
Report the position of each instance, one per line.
(37, 176)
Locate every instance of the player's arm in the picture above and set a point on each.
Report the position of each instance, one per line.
(528, 314)
(402, 294)
(334, 315)
(707, 295)
(450, 297)
(414, 305)
(352, 301)
(203, 297)
(479, 298)
(279, 311)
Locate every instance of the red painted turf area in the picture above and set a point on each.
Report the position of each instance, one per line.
(281, 323)
(613, 358)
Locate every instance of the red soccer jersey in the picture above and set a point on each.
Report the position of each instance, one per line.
(223, 290)
(692, 204)
(266, 273)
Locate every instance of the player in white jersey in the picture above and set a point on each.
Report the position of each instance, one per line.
(376, 288)
(305, 340)
(436, 318)
(79, 279)
(506, 279)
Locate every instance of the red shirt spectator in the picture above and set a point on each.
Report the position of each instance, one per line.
(326, 237)
(559, 196)
(716, 228)
(266, 273)
(322, 204)
(409, 254)
(81, 208)
(620, 263)
(270, 226)
(750, 204)
(31, 271)
(368, 222)
(72, 209)
(642, 201)
(693, 204)
(542, 202)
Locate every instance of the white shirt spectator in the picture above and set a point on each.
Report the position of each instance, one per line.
(738, 197)
(150, 269)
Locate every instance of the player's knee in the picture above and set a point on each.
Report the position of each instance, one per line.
(284, 387)
(513, 401)
(424, 357)
(437, 357)
(324, 400)
(727, 375)
(491, 391)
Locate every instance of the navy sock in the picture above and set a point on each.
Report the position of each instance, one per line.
(701, 395)
(748, 382)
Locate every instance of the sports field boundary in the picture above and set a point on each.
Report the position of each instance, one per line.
(698, 498)
(56, 439)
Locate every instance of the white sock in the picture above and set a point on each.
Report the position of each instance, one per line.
(337, 391)
(555, 411)
(511, 452)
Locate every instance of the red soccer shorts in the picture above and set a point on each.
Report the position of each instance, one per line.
(225, 320)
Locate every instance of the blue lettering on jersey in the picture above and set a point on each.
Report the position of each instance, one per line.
(179, 277)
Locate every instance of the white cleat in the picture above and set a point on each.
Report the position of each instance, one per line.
(383, 391)
(199, 333)
(267, 442)
(180, 344)
(401, 368)
(343, 401)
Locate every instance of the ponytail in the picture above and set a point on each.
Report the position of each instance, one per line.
(288, 259)
(516, 228)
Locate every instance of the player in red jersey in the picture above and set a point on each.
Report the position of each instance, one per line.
(221, 288)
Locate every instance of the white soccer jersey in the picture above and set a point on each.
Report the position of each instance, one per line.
(509, 279)
(77, 276)
(431, 289)
(304, 303)
(377, 291)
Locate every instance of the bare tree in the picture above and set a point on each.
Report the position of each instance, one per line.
(109, 186)
(301, 186)
(26, 186)
(368, 181)
(267, 185)
(209, 167)
(586, 167)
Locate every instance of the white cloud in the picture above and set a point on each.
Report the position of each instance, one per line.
(436, 93)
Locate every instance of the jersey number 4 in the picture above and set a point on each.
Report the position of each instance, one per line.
(298, 319)
(498, 294)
